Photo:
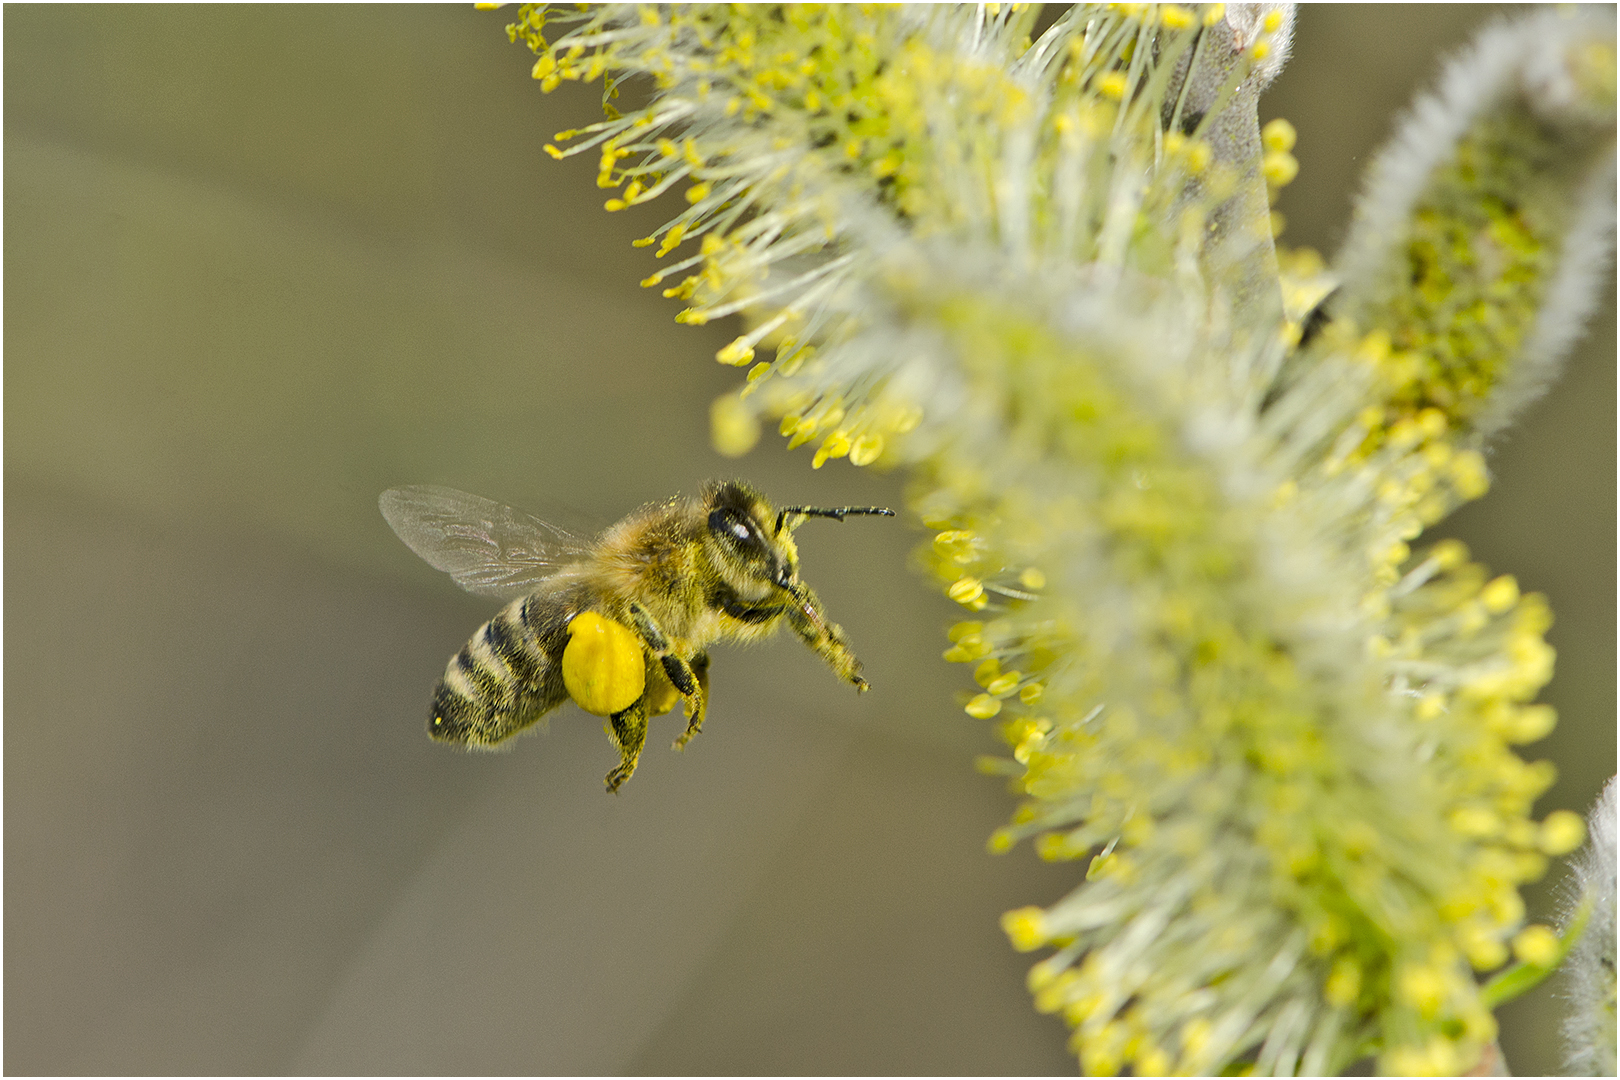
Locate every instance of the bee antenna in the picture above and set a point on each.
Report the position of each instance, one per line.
(837, 513)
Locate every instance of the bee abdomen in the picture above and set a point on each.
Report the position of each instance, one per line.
(498, 684)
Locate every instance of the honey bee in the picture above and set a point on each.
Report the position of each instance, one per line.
(620, 624)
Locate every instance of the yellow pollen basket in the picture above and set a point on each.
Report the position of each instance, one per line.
(603, 666)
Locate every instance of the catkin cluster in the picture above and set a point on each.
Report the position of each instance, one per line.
(1175, 480)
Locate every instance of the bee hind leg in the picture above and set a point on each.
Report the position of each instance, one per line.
(628, 730)
(682, 674)
(696, 705)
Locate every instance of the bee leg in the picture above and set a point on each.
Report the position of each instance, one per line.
(693, 689)
(696, 705)
(826, 639)
(628, 730)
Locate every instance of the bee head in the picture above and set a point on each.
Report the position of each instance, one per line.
(752, 544)
(744, 543)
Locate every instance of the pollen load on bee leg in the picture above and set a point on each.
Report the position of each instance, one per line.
(604, 666)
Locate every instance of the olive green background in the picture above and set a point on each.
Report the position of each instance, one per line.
(261, 264)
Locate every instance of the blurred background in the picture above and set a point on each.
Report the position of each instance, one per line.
(264, 262)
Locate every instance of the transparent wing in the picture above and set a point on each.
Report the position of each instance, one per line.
(486, 546)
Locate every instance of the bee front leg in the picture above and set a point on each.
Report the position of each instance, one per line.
(628, 730)
(826, 639)
(693, 688)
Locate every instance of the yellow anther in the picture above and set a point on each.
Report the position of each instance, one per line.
(1025, 927)
(1199, 155)
(1450, 554)
(1175, 17)
(1032, 578)
(987, 672)
(1042, 975)
(1484, 952)
(1561, 833)
(1030, 694)
(1437, 454)
(1405, 432)
(866, 449)
(887, 165)
(966, 590)
(976, 647)
(1279, 167)
(1536, 945)
(1152, 1061)
(1006, 684)
(733, 426)
(1343, 983)
(672, 239)
(965, 628)
(1195, 1033)
(1476, 822)
(697, 193)
(835, 445)
(1430, 706)
(736, 354)
(1468, 473)
(1500, 594)
(1278, 135)
(554, 152)
(1113, 85)
(1423, 988)
(983, 707)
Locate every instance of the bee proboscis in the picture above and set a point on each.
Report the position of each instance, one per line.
(619, 624)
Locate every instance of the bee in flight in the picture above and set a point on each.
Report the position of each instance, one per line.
(619, 624)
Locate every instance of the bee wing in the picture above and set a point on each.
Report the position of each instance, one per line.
(486, 546)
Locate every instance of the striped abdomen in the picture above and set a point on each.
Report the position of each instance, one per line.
(501, 681)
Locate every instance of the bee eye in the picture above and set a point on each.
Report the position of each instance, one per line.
(735, 530)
